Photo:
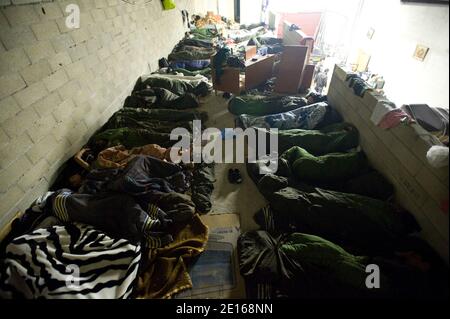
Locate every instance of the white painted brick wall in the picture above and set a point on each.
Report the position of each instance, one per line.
(56, 80)
(45, 106)
(400, 154)
(36, 72)
(10, 83)
(58, 86)
(45, 30)
(48, 11)
(17, 37)
(17, 125)
(9, 108)
(40, 50)
(31, 94)
(19, 15)
(59, 60)
(62, 42)
(13, 60)
(10, 151)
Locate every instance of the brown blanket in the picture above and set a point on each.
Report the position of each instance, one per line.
(165, 272)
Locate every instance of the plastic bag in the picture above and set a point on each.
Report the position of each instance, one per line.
(438, 156)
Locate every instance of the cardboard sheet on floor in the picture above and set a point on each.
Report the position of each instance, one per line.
(215, 274)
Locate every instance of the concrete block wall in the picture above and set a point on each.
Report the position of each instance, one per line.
(400, 154)
(59, 85)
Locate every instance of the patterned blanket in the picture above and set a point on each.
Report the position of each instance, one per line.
(69, 262)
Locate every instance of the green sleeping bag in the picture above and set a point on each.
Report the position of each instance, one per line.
(258, 105)
(316, 253)
(326, 168)
(339, 137)
(357, 220)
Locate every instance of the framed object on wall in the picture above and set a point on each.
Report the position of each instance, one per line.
(421, 52)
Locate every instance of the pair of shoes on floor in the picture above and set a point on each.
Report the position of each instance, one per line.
(234, 176)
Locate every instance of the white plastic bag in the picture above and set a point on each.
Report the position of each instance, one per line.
(437, 156)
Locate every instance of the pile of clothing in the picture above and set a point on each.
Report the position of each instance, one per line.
(330, 214)
(359, 85)
(210, 19)
(194, 52)
(433, 120)
(247, 33)
(267, 44)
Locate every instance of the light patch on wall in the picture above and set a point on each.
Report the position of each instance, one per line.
(421, 52)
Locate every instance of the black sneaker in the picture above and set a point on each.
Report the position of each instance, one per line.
(237, 176)
(231, 177)
(234, 176)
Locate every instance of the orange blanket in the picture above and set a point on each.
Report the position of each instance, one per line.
(119, 156)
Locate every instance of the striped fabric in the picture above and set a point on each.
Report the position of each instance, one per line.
(264, 291)
(59, 207)
(269, 223)
(152, 222)
(69, 262)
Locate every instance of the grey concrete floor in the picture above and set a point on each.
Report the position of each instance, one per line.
(244, 199)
